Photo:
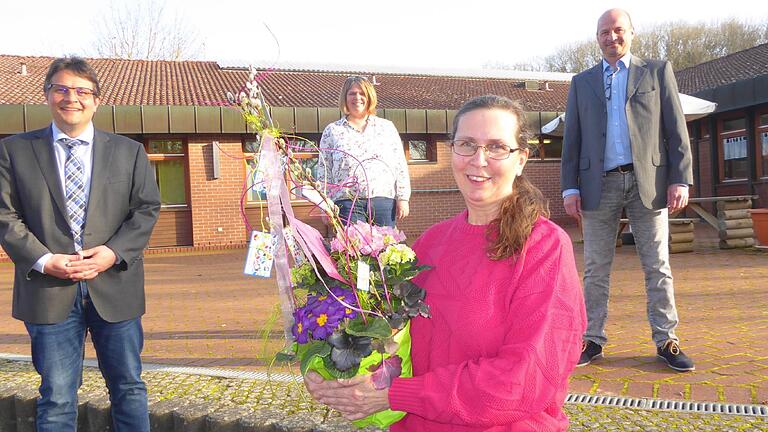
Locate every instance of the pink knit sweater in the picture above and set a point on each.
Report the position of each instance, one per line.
(503, 337)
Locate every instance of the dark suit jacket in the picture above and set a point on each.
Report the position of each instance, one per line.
(123, 207)
(661, 151)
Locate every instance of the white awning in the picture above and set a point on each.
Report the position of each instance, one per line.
(693, 108)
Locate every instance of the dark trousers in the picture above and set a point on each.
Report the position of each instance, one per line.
(57, 354)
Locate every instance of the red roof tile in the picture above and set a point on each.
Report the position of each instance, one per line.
(734, 67)
(144, 82)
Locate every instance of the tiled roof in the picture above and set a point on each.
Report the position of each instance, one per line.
(741, 65)
(143, 82)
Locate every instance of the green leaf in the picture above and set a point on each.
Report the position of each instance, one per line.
(331, 369)
(376, 328)
(310, 350)
(288, 354)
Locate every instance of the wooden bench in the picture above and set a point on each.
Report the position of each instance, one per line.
(680, 234)
(731, 219)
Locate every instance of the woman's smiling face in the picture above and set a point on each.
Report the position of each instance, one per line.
(357, 101)
(485, 182)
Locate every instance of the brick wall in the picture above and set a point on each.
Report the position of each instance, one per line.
(434, 196)
(546, 176)
(215, 202)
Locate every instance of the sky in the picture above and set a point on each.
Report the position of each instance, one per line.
(433, 34)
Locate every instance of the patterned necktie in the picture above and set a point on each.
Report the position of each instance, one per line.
(74, 188)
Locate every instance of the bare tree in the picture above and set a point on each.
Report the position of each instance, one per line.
(681, 43)
(574, 57)
(687, 45)
(534, 65)
(143, 29)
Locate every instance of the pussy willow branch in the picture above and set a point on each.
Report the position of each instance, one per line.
(255, 110)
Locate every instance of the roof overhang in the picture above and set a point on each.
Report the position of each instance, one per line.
(173, 119)
(739, 94)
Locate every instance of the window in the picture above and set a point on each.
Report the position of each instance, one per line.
(250, 147)
(304, 150)
(546, 147)
(417, 151)
(419, 148)
(764, 153)
(762, 134)
(167, 158)
(174, 147)
(733, 149)
(170, 180)
(254, 183)
(704, 128)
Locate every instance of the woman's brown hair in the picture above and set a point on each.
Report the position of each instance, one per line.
(519, 211)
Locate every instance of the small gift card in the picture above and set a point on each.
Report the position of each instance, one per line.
(261, 254)
(258, 174)
(363, 276)
(293, 247)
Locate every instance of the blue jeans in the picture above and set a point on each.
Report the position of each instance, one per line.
(382, 211)
(651, 231)
(57, 354)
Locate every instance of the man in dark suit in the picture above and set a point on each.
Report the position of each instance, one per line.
(626, 147)
(77, 207)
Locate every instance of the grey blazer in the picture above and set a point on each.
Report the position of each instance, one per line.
(661, 151)
(123, 207)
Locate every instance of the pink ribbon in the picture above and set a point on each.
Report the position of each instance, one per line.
(275, 184)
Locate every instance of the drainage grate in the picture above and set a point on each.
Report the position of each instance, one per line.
(670, 405)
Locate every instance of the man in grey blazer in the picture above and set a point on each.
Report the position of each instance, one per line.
(77, 207)
(626, 148)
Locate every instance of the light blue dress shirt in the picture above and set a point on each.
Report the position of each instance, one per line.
(84, 152)
(618, 148)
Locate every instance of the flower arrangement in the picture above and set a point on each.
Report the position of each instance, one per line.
(342, 325)
(347, 304)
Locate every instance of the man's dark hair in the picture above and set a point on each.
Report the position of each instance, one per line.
(77, 66)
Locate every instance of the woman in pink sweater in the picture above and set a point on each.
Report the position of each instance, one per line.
(504, 293)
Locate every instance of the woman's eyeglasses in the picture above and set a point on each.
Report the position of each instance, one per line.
(495, 151)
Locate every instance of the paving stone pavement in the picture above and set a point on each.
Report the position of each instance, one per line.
(219, 394)
(202, 311)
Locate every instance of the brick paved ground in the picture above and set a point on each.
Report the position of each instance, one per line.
(203, 312)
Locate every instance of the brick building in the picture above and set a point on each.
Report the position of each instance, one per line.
(198, 145)
(730, 147)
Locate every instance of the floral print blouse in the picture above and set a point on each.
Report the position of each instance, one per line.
(367, 164)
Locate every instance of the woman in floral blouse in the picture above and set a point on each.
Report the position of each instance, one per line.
(362, 162)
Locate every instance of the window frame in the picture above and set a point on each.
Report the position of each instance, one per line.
(429, 139)
(761, 160)
(721, 136)
(541, 144)
(249, 156)
(159, 157)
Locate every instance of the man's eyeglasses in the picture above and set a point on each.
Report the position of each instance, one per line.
(609, 83)
(63, 90)
(495, 151)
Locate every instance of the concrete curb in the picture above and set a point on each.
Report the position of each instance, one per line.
(18, 408)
